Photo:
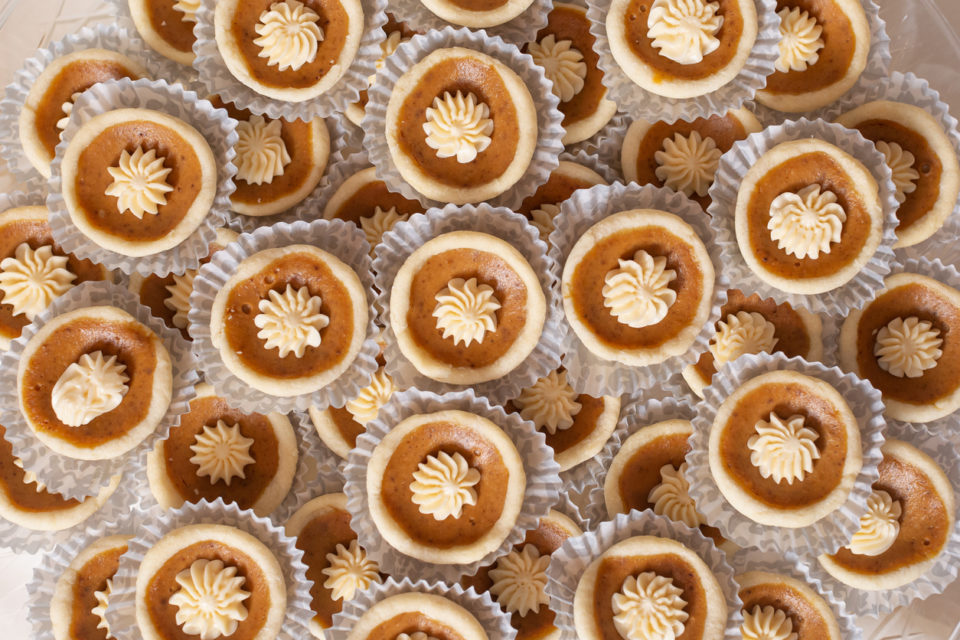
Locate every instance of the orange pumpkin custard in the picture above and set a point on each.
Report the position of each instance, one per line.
(288, 50)
(33, 269)
(414, 614)
(681, 48)
(903, 342)
(94, 382)
(576, 426)
(779, 606)
(683, 156)
(784, 449)
(543, 205)
(749, 324)
(167, 26)
(909, 519)
(648, 584)
(336, 564)
(219, 452)
(824, 48)
(209, 580)
(926, 174)
(78, 607)
(47, 107)
(517, 580)
(397, 33)
(657, 287)
(445, 487)
(291, 320)
(565, 50)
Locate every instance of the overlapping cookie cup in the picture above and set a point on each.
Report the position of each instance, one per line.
(217, 128)
(638, 102)
(789, 564)
(406, 237)
(828, 533)
(156, 523)
(643, 414)
(549, 118)
(318, 470)
(735, 164)
(540, 494)
(587, 372)
(218, 79)
(605, 145)
(568, 563)
(518, 31)
(488, 613)
(342, 239)
(72, 477)
(113, 37)
(929, 439)
(350, 162)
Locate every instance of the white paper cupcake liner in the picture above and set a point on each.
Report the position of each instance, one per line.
(342, 239)
(587, 372)
(909, 89)
(929, 439)
(354, 134)
(541, 492)
(789, 564)
(348, 163)
(121, 610)
(214, 125)
(218, 79)
(568, 563)
(735, 163)
(113, 37)
(495, 622)
(549, 118)
(645, 413)
(833, 530)
(68, 476)
(637, 102)
(519, 31)
(605, 144)
(406, 237)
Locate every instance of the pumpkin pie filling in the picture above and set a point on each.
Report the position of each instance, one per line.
(467, 75)
(92, 180)
(488, 269)
(169, 24)
(791, 176)
(784, 399)
(601, 259)
(555, 190)
(345, 423)
(319, 537)
(808, 621)
(365, 201)
(480, 454)
(132, 343)
(162, 585)
(22, 494)
(584, 424)
(411, 622)
(92, 577)
(298, 270)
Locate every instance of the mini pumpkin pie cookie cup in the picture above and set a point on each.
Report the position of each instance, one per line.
(903, 341)
(516, 21)
(37, 104)
(91, 383)
(914, 130)
(833, 175)
(908, 545)
(282, 319)
(318, 470)
(783, 453)
(209, 552)
(286, 58)
(605, 145)
(504, 472)
(595, 578)
(435, 270)
(617, 340)
(143, 177)
(654, 72)
(412, 608)
(457, 116)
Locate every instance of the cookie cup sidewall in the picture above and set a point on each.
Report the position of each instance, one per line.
(518, 30)
(587, 372)
(337, 237)
(549, 128)
(213, 125)
(403, 241)
(541, 473)
(571, 561)
(737, 162)
(830, 531)
(74, 477)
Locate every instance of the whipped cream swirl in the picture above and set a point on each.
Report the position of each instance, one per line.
(783, 449)
(562, 64)
(879, 525)
(908, 347)
(800, 40)
(30, 279)
(520, 580)
(742, 333)
(89, 388)
(901, 163)
(766, 623)
(671, 498)
(261, 151)
(649, 606)
(638, 293)
(291, 321)
(466, 311)
(688, 164)
(210, 599)
(139, 182)
(458, 126)
(806, 223)
(350, 570)
(684, 31)
(221, 452)
(443, 485)
(551, 403)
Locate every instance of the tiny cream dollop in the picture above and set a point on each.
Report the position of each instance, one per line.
(783, 449)
(443, 484)
(88, 388)
(638, 293)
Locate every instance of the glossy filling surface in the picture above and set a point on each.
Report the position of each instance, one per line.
(92, 577)
(22, 494)
(170, 25)
(808, 622)
(319, 537)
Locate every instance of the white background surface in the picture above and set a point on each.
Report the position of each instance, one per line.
(923, 42)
